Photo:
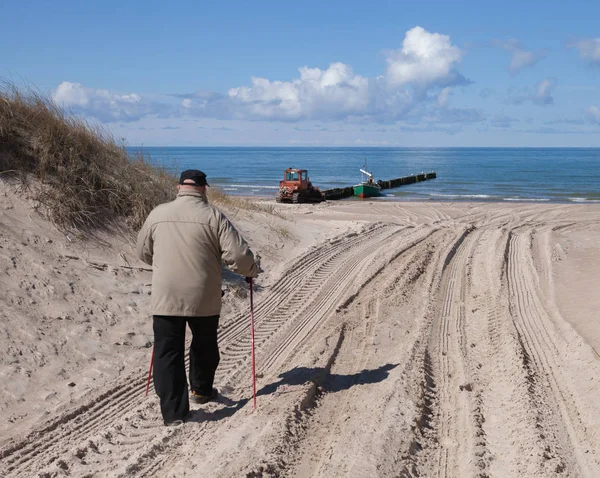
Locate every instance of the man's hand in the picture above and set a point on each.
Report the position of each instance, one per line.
(248, 279)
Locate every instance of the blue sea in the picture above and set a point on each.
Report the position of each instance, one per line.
(468, 174)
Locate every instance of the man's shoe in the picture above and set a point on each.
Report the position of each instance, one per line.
(201, 399)
(174, 423)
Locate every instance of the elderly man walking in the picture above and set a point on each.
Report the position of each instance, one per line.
(186, 241)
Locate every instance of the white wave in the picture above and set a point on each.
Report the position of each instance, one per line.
(244, 186)
(527, 199)
(584, 200)
(477, 196)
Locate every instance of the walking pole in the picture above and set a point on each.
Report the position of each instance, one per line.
(252, 328)
(150, 371)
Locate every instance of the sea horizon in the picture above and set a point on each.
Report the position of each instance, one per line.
(132, 148)
(526, 174)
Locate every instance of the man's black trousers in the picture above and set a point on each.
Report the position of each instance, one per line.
(169, 361)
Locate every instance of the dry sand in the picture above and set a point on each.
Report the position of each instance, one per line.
(392, 339)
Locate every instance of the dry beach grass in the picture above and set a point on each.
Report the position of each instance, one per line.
(85, 178)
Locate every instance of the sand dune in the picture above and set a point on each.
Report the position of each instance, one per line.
(392, 339)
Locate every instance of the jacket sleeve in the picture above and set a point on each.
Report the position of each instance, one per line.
(235, 251)
(145, 243)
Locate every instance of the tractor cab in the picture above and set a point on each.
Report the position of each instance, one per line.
(295, 179)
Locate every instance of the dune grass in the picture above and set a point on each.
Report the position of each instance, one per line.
(80, 174)
(85, 178)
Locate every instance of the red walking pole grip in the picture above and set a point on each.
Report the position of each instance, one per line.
(252, 329)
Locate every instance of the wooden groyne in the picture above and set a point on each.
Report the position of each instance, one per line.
(339, 193)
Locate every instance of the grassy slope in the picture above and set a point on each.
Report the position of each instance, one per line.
(85, 179)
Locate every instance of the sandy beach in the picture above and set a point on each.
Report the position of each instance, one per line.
(392, 339)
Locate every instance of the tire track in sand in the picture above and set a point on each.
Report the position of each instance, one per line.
(308, 303)
(534, 327)
(310, 443)
(55, 441)
(324, 449)
(331, 291)
(450, 423)
(49, 443)
(510, 440)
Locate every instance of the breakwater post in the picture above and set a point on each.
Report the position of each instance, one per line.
(339, 193)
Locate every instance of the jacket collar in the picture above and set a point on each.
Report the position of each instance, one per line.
(197, 194)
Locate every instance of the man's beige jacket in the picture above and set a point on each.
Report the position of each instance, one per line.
(186, 241)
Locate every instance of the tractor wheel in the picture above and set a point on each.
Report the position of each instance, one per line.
(295, 198)
(278, 197)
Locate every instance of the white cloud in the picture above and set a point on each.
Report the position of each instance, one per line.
(425, 60)
(541, 95)
(443, 97)
(332, 93)
(104, 105)
(520, 57)
(71, 94)
(416, 82)
(589, 50)
(593, 114)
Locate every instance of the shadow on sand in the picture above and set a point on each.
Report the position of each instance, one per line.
(329, 382)
(297, 376)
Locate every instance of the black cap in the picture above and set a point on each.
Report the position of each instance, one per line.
(195, 175)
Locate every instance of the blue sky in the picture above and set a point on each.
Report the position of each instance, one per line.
(394, 73)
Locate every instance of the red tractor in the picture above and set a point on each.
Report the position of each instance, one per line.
(297, 188)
